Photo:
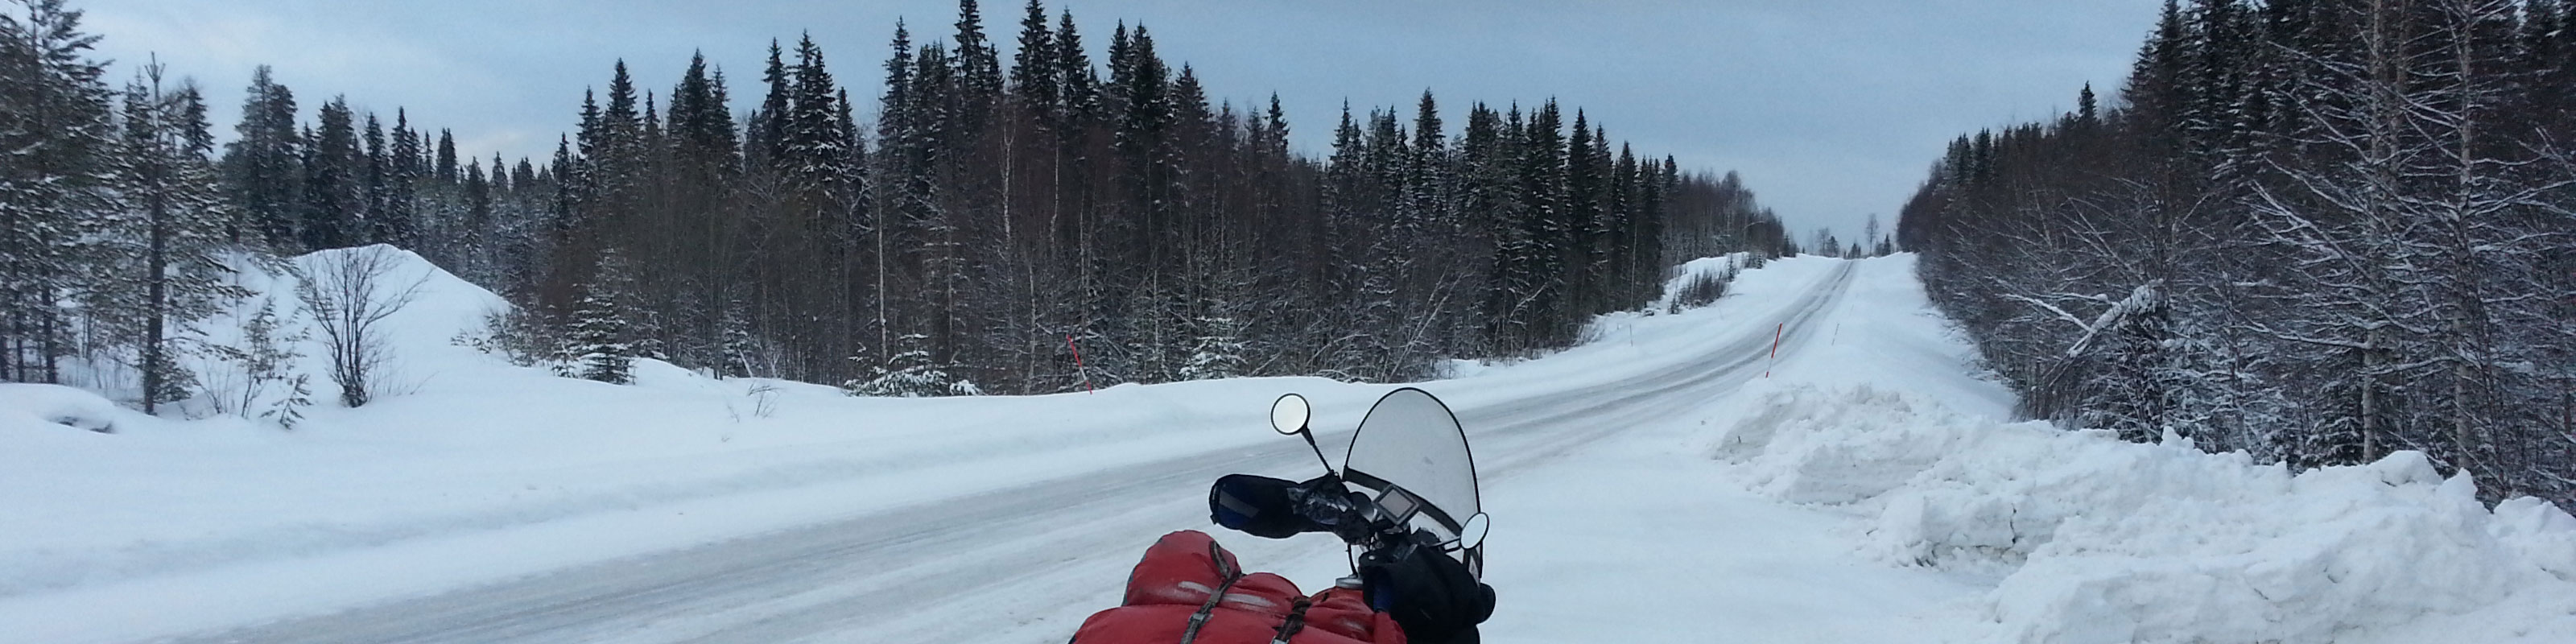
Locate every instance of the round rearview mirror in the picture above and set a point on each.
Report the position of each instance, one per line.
(1289, 414)
(1473, 533)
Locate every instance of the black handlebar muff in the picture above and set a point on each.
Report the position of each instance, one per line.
(1259, 506)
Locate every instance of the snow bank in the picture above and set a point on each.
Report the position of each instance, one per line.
(28, 409)
(2098, 540)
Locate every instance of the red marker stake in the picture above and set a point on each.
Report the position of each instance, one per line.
(1077, 363)
(1775, 348)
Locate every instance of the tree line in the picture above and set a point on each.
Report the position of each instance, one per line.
(2313, 230)
(1026, 225)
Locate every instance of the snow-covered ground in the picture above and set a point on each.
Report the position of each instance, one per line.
(1652, 485)
(2078, 537)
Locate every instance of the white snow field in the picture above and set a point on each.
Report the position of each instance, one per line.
(1650, 486)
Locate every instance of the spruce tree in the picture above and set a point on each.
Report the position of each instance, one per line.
(1034, 69)
(767, 127)
(262, 165)
(1217, 351)
(911, 372)
(979, 69)
(398, 221)
(1584, 187)
(602, 341)
(1548, 225)
(377, 187)
(1628, 281)
(443, 164)
(166, 239)
(58, 138)
(333, 187)
(1078, 85)
(815, 149)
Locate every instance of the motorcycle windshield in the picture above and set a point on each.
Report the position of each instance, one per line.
(1412, 441)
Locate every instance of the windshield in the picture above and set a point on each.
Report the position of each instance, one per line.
(1412, 441)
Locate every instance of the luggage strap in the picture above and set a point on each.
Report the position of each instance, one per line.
(1199, 619)
(1296, 621)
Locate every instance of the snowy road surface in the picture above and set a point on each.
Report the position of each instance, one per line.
(1665, 481)
(961, 569)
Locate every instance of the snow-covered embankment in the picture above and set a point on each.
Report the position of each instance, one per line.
(2089, 539)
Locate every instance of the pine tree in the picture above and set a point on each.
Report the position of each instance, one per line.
(444, 166)
(262, 165)
(1035, 70)
(376, 187)
(767, 126)
(1628, 280)
(911, 372)
(167, 241)
(333, 187)
(1548, 224)
(602, 340)
(815, 151)
(979, 69)
(56, 143)
(1078, 85)
(397, 219)
(476, 233)
(2088, 111)
(739, 350)
(1217, 351)
(2156, 96)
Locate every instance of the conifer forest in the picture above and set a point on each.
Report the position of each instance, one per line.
(925, 218)
(2315, 231)
(2318, 231)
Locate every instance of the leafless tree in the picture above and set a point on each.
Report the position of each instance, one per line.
(350, 293)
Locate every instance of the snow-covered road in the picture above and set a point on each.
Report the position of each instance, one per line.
(1666, 481)
(1009, 564)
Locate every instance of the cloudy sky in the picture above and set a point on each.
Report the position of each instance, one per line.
(1831, 109)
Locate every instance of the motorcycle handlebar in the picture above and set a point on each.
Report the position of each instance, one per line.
(1277, 509)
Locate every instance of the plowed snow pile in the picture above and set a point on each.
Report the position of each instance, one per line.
(2093, 540)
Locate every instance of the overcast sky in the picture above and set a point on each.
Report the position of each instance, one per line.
(1831, 109)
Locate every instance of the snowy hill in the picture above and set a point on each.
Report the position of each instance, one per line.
(1867, 489)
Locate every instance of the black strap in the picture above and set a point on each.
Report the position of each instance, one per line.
(1296, 621)
(1199, 619)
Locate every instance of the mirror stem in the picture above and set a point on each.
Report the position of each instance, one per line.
(1309, 435)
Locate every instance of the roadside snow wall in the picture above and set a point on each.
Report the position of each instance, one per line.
(2094, 540)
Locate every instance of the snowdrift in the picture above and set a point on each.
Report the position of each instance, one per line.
(28, 410)
(2095, 540)
(2088, 539)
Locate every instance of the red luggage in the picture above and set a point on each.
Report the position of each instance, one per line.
(1188, 590)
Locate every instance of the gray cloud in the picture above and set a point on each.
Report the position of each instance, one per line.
(1831, 109)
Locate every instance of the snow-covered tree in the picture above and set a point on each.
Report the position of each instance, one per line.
(911, 373)
(601, 344)
(263, 165)
(163, 244)
(57, 142)
(1217, 352)
(739, 352)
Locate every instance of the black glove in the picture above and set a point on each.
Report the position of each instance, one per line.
(1264, 507)
(1432, 596)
